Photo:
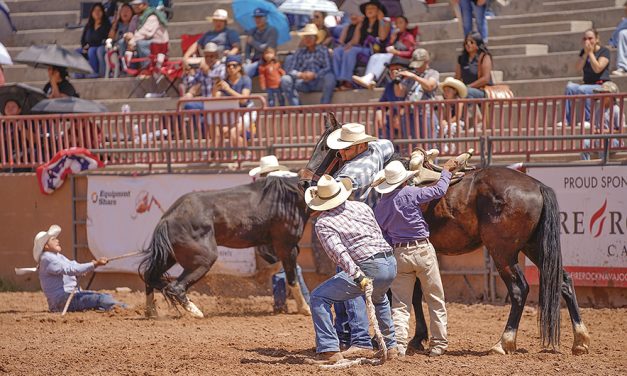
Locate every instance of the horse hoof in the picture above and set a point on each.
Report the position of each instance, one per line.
(580, 350)
(306, 311)
(497, 350)
(416, 344)
(193, 310)
(150, 314)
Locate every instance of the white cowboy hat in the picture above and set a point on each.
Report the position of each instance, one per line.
(268, 163)
(309, 29)
(350, 134)
(328, 194)
(391, 177)
(219, 14)
(42, 238)
(456, 85)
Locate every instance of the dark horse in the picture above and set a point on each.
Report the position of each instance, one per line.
(269, 212)
(507, 212)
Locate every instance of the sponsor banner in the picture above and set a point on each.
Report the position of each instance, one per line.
(122, 213)
(593, 222)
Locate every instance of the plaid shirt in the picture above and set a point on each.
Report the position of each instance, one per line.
(363, 168)
(304, 60)
(206, 80)
(350, 234)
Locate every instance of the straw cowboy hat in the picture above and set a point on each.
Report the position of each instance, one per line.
(350, 134)
(42, 238)
(329, 193)
(269, 163)
(309, 29)
(391, 177)
(220, 15)
(456, 85)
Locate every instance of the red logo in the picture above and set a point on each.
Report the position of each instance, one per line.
(598, 215)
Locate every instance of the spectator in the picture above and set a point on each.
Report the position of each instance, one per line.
(110, 9)
(402, 43)
(478, 8)
(324, 34)
(237, 84)
(58, 85)
(124, 22)
(594, 61)
(370, 37)
(258, 40)
(393, 92)
(422, 85)
(474, 66)
(607, 119)
(452, 89)
(11, 108)
(309, 70)
(270, 73)
(202, 82)
(93, 39)
(619, 40)
(226, 39)
(151, 28)
(348, 31)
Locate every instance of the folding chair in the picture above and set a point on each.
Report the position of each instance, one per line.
(156, 60)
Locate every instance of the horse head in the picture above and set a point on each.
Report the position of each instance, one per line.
(322, 156)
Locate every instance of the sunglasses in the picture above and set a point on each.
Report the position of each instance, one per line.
(232, 65)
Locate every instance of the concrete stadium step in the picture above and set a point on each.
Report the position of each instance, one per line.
(198, 10)
(516, 49)
(552, 86)
(98, 89)
(557, 26)
(141, 104)
(526, 7)
(34, 20)
(18, 6)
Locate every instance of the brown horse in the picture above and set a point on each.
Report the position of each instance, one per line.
(508, 212)
(270, 212)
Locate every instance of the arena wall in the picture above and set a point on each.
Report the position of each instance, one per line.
(26, 211)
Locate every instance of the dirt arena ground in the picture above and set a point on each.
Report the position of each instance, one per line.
(241, 336)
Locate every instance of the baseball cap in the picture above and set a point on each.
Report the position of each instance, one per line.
(260, 12)
(234, 59)
(137, 2)
(418, 58)
(219, 14)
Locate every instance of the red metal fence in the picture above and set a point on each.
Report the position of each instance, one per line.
(225, 132)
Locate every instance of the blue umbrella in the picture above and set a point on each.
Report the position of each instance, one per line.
(243, 13)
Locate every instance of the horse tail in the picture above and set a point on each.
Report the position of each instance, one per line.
(155, 263)
(550, 264)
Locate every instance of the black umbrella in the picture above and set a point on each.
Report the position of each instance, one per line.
(68, 105)
(52, 54)
(24, 95)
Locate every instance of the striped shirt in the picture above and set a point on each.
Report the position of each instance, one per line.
(218, 71)
(317, 61)
(57, 275)
(350, 234)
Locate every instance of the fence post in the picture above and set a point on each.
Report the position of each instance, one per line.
(482, 150)
(489, 142)
(606, 150)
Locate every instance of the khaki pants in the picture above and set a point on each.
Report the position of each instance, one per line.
(418, 262)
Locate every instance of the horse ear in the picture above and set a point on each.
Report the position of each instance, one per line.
(331, 121)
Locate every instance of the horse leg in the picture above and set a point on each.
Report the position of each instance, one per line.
(288, 259)
(518, 289)
(581, 342)
(421, 335)
(151, 310)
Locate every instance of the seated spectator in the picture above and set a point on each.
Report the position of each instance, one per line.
(394, 125)
(324, 34)
(270, 73)
(348, 30)
(11, 108)
(421, 86)
(452, 89)
(236, 84)
(124, 22)
(211, 71)
(226, 39)
(370, 37)
(606, 119)
(93, 40)
(402, 43)
(151, 28)
(478, 8)
(594, 61)
(619, 40)
(309, 70)
(474, 66)
(259, 38)
(58, 85)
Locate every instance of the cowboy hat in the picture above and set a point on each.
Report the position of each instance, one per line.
(219, 15)
(391, 177)
(456, 85)
(350, 134)
(269, 163)
(309, 29)
(376, 3)
(41, 239)
(328, 194)
(607, 87)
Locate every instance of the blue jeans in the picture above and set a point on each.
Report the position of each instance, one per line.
(467, 8)
(577, 89)
(291, 87)
(196, 106)
(475, 93)
(86, 300)
(344, 62)
(252, 69)
(279, 284)
(96, 58)
(273, 95)
(621, 56)
(340, 288)
(351, 321)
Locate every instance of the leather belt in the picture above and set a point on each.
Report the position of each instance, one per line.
(383, 255)
(412, 243)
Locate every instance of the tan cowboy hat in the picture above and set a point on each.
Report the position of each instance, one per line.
(391, 177)
(309, 29)
(456, 85)
(220, 15)
(329, 193)
(41, 239)
(350, 134)
(269, 163)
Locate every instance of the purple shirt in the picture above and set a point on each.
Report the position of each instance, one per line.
(57, 275)
(399, 214)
